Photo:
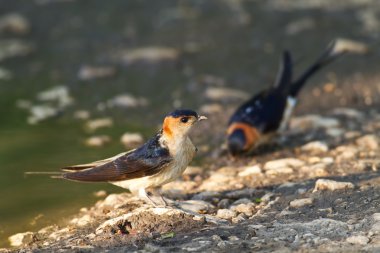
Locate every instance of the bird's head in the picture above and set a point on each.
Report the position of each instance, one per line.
(241, 138)
(179, 122)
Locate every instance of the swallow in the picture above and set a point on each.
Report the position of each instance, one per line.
(269, 111)
(159, 161)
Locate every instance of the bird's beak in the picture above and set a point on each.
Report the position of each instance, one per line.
(201, 118)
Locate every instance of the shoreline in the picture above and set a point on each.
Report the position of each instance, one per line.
(316, 188)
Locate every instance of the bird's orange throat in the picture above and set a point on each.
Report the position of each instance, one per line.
(251, 134)
(167, 127)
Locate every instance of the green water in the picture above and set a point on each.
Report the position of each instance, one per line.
(238, 41)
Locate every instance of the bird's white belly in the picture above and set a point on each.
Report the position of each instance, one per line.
(172, 171)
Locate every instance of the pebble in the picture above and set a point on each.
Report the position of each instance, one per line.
(206, 195)
(331, 185)
(127, 101)
(211, 108)
(12, 47)
(95, 124)
(282, 170)
(130, 140)
(348, 112)
(197, 206)
(224, 203)
(297, 203)
(14, 23)
(358, 239)
(315, 146)
(226, 214)
(335, 132)
(369, 141)
(86, 72)
(97, 141)
(82, 221)
(250, 170)
(220, 94)
(21, 239)
(247, 209)
(286, 162)
(100, 194)
(150, 55)
(313, 121)
(376, 216)
(81, 114)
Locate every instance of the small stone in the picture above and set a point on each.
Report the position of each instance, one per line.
(91, 72)
(127, 101)
(97, 141)
(286, 162)
(149, 55)
(376, 216)
(82, 114)
(21, 239)
(221, 93)
(100, 194)
(93, 125)
(313, 122)
(14, 23)
(315, 146)
(313, 159)
(283, 170)
(328, 160)
(197, 206)
(241, 217)
(335, 132)
(348, 112)
(206, 196)
(358, 239)
(224, 204)
(297, 203)
(81, 221)
(369, 141)
(331, 185)
(247, 209)
(250, 170)
(131, 140)
(226, 214)
(211, 109)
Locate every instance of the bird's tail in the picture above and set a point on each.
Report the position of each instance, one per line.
(52, 174)
(284, 76)
(335, 49)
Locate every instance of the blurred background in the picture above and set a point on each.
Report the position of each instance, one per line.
(76, 75)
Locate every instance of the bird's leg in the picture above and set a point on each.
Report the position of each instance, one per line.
(144, 195)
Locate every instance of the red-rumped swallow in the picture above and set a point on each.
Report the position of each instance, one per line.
(269, 111)
(160, 160)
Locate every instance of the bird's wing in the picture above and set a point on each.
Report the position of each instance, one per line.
(147, 160)
(77, 167)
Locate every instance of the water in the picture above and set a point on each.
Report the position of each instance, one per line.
(238, 41)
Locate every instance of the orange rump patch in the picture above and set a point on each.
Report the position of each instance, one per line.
(251, 134)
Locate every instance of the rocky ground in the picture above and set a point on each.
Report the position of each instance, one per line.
(316, 188)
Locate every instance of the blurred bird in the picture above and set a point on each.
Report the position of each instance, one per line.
(269, 111)
(160, 160)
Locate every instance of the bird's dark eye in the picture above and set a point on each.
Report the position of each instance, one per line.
(184, 120)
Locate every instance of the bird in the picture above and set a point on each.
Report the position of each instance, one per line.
(268, 112)
(160, 160)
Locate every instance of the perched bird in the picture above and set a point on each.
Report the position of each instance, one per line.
(269, 111)
(160, 160)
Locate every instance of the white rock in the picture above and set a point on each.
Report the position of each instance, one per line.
(226, 214)
(250, 170)
(14, 23)
(93, 125)
(331, 185)
(313, 121)
(348, 112)
(91, 72)
(197, 206)
(58, 93)
(21, 239)
(369, 141)
(97, 141)
(131, 139)
(220, 93)
(358, 239)
(376, 216)
(281, 170)
(315, 146)
(297, 203)
(127, 101)
(13, 47)
(335, 132)
(82, 114)
(150, 55)
(41, 112)
(248, 209)
(81, 221)
(286, 162)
